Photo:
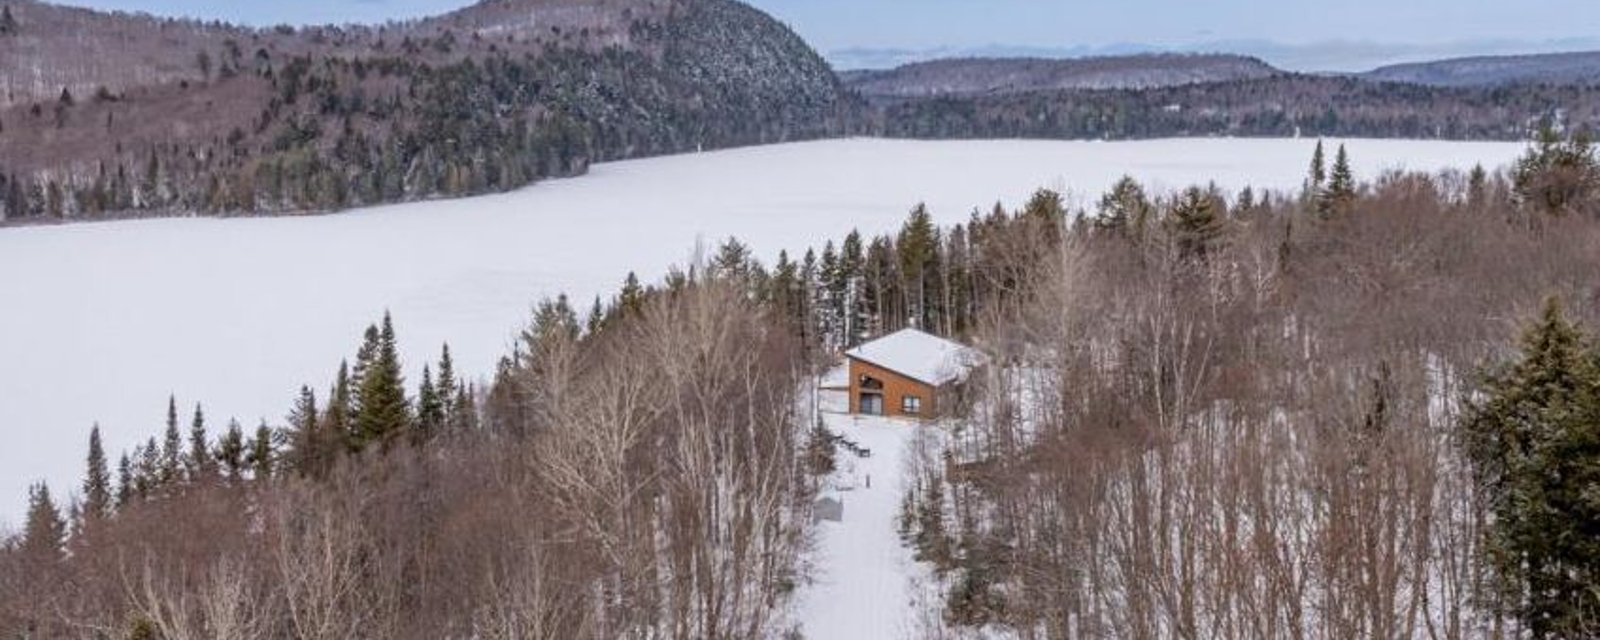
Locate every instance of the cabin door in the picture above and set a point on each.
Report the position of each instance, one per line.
(872, 404)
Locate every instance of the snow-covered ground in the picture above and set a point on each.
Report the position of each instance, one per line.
(100, 322)
(862, 576)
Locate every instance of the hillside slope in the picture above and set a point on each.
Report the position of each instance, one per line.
(999, 76)
(1578, 68)
(116, 114)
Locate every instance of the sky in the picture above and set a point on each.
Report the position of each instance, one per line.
(1389, 28)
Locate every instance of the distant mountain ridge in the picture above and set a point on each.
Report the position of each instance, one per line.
(1581, 67)
(1000, 76)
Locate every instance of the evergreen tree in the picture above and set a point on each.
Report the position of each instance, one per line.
(918, 246)
(8, 22)
(1477, 187)
(1534, 442)
(311, 447)
(1125, 210)
(201, 466)
(631, 300)
(464, 417)
(430, 409)
(147, 475)
(44, 535)
(97, 480)
(340, 405)
(124, 481)
(260, 457)
(1319, 172)
(597, 317)
(445, 383)
(1341, 190)
(1558, 175)
(382, 410)
(1197, 223)
(231, 452)
(171, 470)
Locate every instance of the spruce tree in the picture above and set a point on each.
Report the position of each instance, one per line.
(231, 452)
(337, 421)
(44, 535)
(171, 471)
(261, 457)
(918, 246)
(631, 300)
(202, 467)
(1197, 223)
(445, 383)
(430, 408)
(1318, 174)
(1341, 190)
(309, 446)
(1533, 442)
(1125, 210)
(97, 480)
(124, 481)
(147, 475)
(382, 410)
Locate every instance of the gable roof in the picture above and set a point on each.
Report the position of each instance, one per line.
(920, 356)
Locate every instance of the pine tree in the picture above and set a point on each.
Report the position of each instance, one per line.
(8, 22)
(445, 383)
(44, 535)
(1125, 210)
(124, 481)
(337, 420)
(310, 448)
(430, 409)
(231, 452)
(202, 467)
(261, 458)
(147, 475)
(1319, 172)
(464, 418)
(631, 300)
(171, 471)
(1341, 190)
(382, 410)
(918, 246)
(1197, 223)
(97, 480)
(1534, 442)
(1477, 187)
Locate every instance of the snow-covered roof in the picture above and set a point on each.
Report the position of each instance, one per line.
(920, 356)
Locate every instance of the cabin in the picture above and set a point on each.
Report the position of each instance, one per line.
(903, 373)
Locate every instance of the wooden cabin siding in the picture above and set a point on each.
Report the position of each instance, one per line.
(895, 388)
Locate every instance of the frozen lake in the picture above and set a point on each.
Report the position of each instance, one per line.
(102, 321)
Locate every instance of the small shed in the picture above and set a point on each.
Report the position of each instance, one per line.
(901, 374)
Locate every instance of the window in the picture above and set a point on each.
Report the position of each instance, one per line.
(910, 405)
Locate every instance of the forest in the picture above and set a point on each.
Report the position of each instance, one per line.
(1252, 415)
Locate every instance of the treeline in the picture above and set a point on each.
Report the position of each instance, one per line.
(1301, 417)
(447, 115)
(1280, 106)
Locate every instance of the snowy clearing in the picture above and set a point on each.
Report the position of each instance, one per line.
(102, 321)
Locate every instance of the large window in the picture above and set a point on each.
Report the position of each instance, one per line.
(910, 405)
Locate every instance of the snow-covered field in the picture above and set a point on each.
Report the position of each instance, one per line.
(100, 322)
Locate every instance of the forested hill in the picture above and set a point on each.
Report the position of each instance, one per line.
(116, 114)
(994, 76)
